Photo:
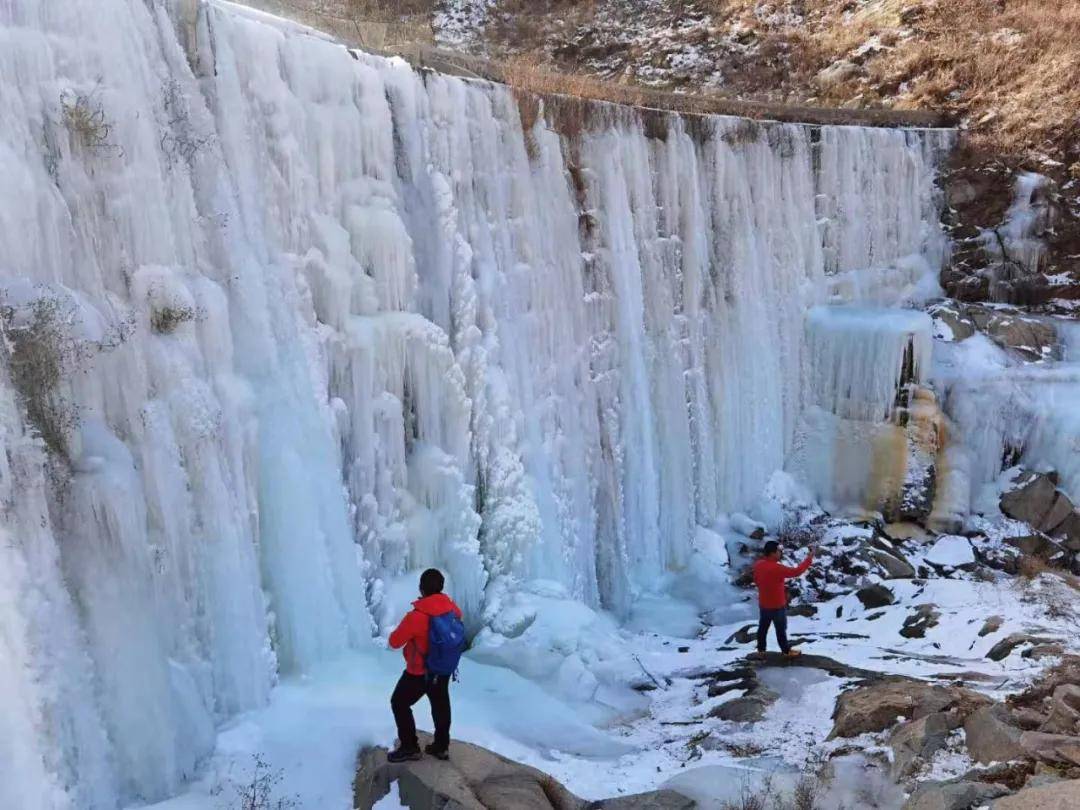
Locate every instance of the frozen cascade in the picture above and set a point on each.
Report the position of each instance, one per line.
(310, 320)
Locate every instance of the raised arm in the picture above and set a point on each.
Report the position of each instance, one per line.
(406, 631)
(798, 570)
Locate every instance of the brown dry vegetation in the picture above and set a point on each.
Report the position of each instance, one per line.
(1010, 67)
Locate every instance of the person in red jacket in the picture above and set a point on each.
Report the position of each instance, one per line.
(769, 576)
(415, 681)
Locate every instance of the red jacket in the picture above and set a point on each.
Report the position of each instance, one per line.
(412, 633)
(769, 576)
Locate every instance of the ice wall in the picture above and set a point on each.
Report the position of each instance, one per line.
(283, 322)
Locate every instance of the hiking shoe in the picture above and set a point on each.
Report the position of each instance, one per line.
(438, 753)
(793, 653)
(757, 655)
(404, 755)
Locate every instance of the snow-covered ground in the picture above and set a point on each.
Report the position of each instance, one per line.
(313, 727)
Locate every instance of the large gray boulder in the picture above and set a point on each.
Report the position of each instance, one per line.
(916, 741)
(993, 736)
(892, 564)
(1058, 796)
(953, 795)
(1064, 711)
(477, 779)
(1001, 650)
(749, 708)
(875, 596)
(878, 706)
(1030, 498)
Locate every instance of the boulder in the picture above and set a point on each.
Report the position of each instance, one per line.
(992, 625)
(1028, 337)
(993, 736)
(877, 706)
(838, 73)
(875, 596)
(916, 624)
(1068, 531)
(1036, 545)
(916, 741)
(477, 779)
(749, 708)
(1050, 748)
(950, 324)
(1064, 707)
(1001, 650)
(1061, 509)
(893, 564)
(953, 795)
(1031, 497)
(1058, 796)
(951, 551)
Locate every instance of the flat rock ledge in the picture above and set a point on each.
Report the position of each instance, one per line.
(477, 779)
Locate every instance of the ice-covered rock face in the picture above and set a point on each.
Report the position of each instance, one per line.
(323, 320)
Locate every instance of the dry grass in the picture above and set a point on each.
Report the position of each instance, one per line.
(1010, 68)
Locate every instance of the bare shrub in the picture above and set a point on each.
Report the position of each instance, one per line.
(38, 349)
(805, 796)
(259, 791)
(85, 119)
(166, 320)
(180, 141)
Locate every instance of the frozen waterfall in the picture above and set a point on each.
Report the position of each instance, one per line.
(283, 322)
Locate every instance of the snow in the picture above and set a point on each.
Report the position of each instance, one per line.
(352, 328)
(952, 551)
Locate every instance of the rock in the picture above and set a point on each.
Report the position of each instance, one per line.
(950, 324)
(1029, 719)
(477, 779)
(1001, 650)
(1061, 509)
(1028, 337)
(917, 740)
(992, 735)
(1068, 531)
(894, 565)
(1051, 748)
(906, 531)
(747, 526)
(1036, 545)
(744, 635)
(916, 625)
(1040, 651)
(953, 795)
(838, 73)
(749, 708)
(875, 596)
(951, 551)
(1058, 796)
(992, 625)
(1030, 499)
(513, 790)
(876, 706)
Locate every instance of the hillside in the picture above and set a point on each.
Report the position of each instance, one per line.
(1003, 69)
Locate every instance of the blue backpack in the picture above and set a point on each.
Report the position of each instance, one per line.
(446, 643)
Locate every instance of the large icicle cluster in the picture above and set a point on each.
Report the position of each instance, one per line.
(283, 322)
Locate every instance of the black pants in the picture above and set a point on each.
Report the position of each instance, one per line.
(409, 689)
(777, 618)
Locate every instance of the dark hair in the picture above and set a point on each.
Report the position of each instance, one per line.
(431, 582)
(770, 548)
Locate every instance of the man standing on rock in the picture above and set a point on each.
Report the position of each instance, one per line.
(434, 638)
(769, 577)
